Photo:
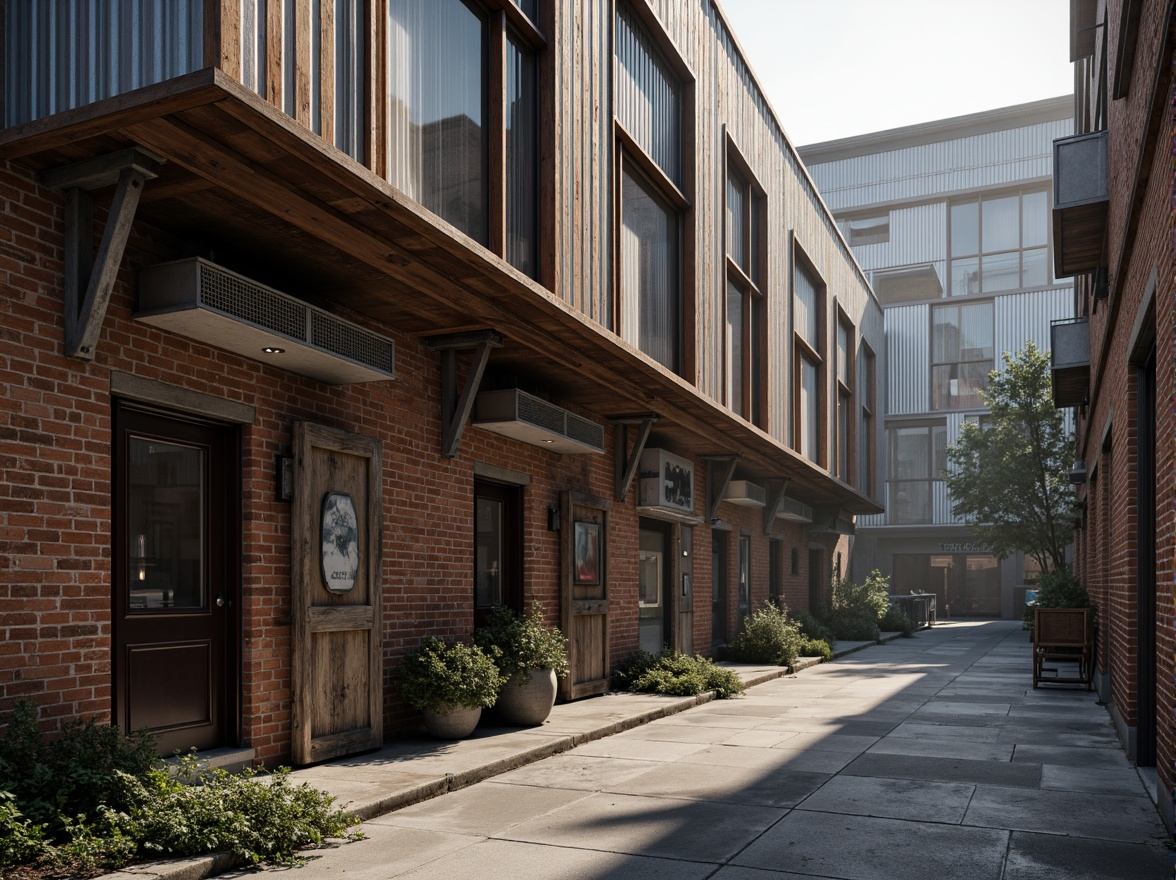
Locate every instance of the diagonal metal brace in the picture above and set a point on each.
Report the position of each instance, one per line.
(88, 286)
(455, 409)
(719, 471)
(626, 465)
(776, 490)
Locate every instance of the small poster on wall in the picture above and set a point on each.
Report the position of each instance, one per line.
(586, 567)
(340, 532)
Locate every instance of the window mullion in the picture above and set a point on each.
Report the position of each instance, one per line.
(496, 125)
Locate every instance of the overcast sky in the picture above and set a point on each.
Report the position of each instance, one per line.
(835, 68)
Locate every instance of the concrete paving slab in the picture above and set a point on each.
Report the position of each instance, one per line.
(930, 747)
(509, 860)
(1050, 857)
(637, 749)
(935, 730)
(867, 848)
(892, 799)
(764, 787)
(682, 733)
(947, 770)
(1060, 777)
(955, 707)
(764, 739)
(577, 771)
(1077, 814)
(696, 831)
(829, 742)
(732, 872)
(482, 810)
(1076, 757)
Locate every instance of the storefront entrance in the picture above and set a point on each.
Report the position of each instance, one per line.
(653, 596)
(964, 584)
(176, 538)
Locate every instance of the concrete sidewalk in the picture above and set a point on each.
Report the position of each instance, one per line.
(930, 757)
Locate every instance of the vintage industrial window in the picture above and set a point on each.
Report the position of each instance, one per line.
(648, 95)
(999, 243)
(743, 343)
(846, 376)
(918, 458)
(463, 118)
(808, 332)
(961, 355)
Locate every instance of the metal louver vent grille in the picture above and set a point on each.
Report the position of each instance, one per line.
(250, 302)
(585, 431)
(350, 341)
(538, 412)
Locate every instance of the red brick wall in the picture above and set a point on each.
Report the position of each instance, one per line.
(55, 493)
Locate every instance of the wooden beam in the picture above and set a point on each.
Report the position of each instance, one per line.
(102, 170)
(626, 464)
(455, 411)
(776, 490)
(719, 470)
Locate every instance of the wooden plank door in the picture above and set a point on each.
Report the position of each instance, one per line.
(338, 701)
(584, 602)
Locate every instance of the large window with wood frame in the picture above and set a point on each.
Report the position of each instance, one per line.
(844, 356)
(462, 132)
(1000, 243)
(743, 347)
(867, 377)
(808, 331)
(648, 100)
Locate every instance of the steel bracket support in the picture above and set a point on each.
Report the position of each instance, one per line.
(455, 408)
(719, 471)
(626, 462)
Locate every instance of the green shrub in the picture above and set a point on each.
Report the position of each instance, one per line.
(813, 628)
(1059, 588)
(20, 839)
(810, 647)
(854, 625)
(872, 596)
(895, 620)
(520, 644)
(768, 636)
(671, 672)
(439, 673)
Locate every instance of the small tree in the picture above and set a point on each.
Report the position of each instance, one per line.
(1009, 478)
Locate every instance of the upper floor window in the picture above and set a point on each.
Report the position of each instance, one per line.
(961, 355)
(808, 321)
(648, 102)
(918, 457)
(867, 377)
(445, 149)
(743, 364)
(868, 230)
(845, 379)
(999, 243)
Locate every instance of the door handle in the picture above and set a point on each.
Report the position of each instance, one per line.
(221, 601)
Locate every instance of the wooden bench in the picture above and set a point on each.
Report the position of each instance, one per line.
(1063, 635)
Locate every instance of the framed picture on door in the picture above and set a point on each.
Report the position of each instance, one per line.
(586, 561)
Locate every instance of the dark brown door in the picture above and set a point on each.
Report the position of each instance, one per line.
(498, 551)
(816, 579)
(718, 590)
(176, 529)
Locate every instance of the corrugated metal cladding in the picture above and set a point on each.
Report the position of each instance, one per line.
(66, 53)
(908, 347)
(918, 234)
(928, 170)
(1023, 316)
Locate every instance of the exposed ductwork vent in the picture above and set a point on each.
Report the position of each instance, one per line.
(746, 493)
(794, 511)
(515, 413)
(200, 300)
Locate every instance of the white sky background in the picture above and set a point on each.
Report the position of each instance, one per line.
(836, 68)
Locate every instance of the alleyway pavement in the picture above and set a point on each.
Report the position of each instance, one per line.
(930, 757)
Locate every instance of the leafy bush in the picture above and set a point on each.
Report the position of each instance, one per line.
(854, 625)
(135, 808)
(439, 673)
(872, 596)
(813, 628)
(671, 672)
(519, 644)
(810, 647)
(768, 636)
(895, 620)
(1059, 588)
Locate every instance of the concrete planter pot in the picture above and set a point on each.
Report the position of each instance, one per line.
(526, 699)
(452, 722)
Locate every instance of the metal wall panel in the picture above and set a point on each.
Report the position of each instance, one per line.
(61, 54)
(1023, 316)
(908, 362)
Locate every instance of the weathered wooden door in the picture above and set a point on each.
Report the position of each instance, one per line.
(338, 682)
(584, 593)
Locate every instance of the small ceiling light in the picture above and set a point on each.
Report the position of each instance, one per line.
(270, 349)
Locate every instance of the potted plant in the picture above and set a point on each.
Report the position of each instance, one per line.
(530, 655)
(449, 683)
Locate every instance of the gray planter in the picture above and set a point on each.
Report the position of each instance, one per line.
(528, 703)
(452, 722)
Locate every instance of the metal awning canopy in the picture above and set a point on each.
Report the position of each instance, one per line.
(245, 181)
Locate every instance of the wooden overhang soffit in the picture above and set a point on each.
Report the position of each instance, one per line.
(89, 280)
(626, 464)
(776, 490)
(455, 408)
(719, 471)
